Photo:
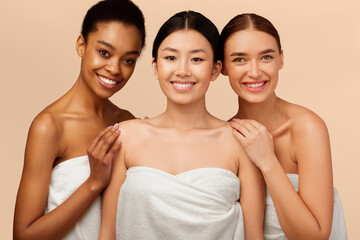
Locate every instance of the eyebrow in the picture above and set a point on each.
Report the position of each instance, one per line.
(267, 51)
(244, 54)
(113, 48)
(107, 44)
(175, 50)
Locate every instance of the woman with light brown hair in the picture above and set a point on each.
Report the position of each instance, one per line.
(288, 143)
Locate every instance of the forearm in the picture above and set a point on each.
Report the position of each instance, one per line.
(296, 219)
(253, 202)
(108, 213)
(62, 219)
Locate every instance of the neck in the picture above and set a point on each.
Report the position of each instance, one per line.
(186, 116)
(83, 99)
(266, 113)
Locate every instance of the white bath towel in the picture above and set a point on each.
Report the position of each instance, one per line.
(272, 228)
(199, 204)
(65, 179)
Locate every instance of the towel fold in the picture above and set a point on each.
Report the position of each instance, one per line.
(65, 179)
(272, 228)
(199, 204)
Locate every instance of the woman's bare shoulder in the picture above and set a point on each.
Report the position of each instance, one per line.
(303, 120)
(134, 127)
(228, 138)
(46, 123)
(121, 114)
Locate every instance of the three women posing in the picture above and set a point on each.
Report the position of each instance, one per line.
(179, 175)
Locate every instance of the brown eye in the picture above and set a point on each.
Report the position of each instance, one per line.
(196, 59)
(171, 58)
(104, 53)
(129, 61)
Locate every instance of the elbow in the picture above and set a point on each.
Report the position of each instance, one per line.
(324, 235)
(23, 234)
(19, 236)
(308, 235)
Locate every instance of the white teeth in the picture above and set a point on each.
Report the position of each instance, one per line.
(255, 85)
(183, 85)
(107, 81)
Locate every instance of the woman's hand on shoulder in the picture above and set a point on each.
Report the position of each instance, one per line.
(105, 149)
(101, 153)
(256, 140)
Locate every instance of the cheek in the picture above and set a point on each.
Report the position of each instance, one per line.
(235, 73)
(93, 61)
(203, 72)
(272, 70)
(164, 70)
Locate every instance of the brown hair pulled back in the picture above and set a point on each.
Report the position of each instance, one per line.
(249, 21)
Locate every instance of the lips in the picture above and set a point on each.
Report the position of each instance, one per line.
(255, 86)
(182, 86)
(107, 82)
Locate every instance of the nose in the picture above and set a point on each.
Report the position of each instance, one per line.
(182, 68)
(113, 67)
(254, 70)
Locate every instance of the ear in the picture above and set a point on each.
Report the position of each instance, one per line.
(80, 46)
(224, 70)
(216, 70)
(154, 68)
(281, 59)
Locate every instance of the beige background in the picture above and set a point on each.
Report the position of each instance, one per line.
(321, 40)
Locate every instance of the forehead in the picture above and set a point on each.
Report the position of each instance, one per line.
(250, 40)
(116, 32)
(185, 40)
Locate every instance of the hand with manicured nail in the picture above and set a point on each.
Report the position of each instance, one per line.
(101, 153)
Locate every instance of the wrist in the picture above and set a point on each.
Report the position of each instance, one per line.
(94, 186)
(269, 165)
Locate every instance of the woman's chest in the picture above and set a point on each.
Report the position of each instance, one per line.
(181, 153)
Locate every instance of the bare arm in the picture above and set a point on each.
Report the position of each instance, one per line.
(303, 215)
(110, 198)
(252, 198)
(41, 150)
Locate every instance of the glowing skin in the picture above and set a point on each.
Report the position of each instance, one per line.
(109, 57)
(184, 71)
(186, 136)
(70, 127)
(252, 61)
(280, 137)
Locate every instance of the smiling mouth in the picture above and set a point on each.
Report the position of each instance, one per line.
(106, 80)
(183, 85)
(255, 85)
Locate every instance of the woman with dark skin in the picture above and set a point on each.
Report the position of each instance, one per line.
(288, 143)
(57, 150)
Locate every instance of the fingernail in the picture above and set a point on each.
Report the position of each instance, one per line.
(119, 142)
(116, 125)
(110, 127)
(117, 131)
